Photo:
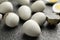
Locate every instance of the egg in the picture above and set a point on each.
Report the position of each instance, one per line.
(38, 6)
(56, 8)
(6, 7)
(0, 17)
(23, 2)
(51, 1)
(12, 19)
(3, 1)
(39, 17)
(31, 28)
(24, 12)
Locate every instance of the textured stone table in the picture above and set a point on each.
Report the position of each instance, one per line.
(16, 33)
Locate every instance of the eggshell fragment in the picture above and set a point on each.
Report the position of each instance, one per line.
(53, 19)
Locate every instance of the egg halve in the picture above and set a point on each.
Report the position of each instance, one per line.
(56, 8)
(51, 1)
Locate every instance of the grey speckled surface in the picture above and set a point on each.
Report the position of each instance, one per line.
(16, 33)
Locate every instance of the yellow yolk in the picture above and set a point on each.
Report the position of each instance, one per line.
(57, 7)
(53, 1)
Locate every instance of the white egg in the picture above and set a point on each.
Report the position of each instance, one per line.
(0, 17)
(38, 6)
(23, 2)
(6, 7)
(24, 12)
(56, 8)
(39, 17)
(3, 1)
(12, 20)
(31, 28)
(51, 1)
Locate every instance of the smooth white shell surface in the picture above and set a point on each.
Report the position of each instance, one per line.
(24, 12)
(39, 17)
(0, 17)
(38, 6)
(31, 28)
(6, 7)
(12, 19)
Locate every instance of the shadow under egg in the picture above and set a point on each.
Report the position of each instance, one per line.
(2, 14)
(18, 5)
(50, 4)
(32, 1)
(51, 27)
(5, 27)
(22, 21)
(26, 37)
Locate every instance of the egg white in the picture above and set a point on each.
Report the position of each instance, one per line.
(54, 9)
(48, 1)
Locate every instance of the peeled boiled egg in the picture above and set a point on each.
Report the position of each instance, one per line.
(0, 17)
(3, 1)
(12, 19)
(56, 8)
(38, 6)
(31, 28)
(39, 17)
(51, 1)
(23, 2)
(24, 12)
(6, 7)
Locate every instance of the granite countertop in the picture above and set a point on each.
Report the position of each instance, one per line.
(16, 33)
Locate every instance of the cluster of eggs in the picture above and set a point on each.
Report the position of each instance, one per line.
(33, 22)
